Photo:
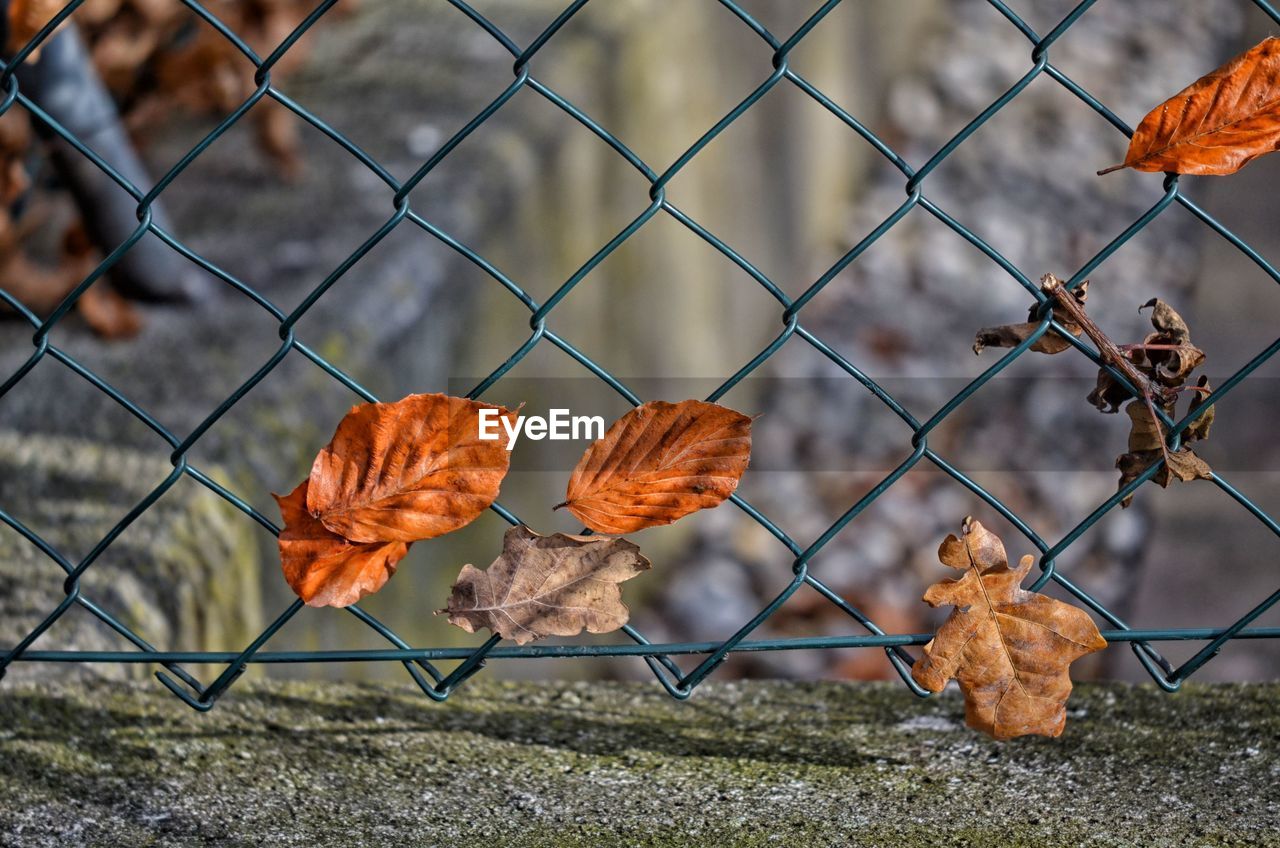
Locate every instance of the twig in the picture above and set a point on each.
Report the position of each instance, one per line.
(1113, 354)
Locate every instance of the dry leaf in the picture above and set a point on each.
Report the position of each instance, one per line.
(1010, 649)
(1012, 335)
(27, 17)
(1218, 123)
(107, 313)
(1108, 393)
(405, 471)
(1199, 428)
(658, 463)
(1170, 367)
(540, 586)
(1145, 442)
(324, 569)
(1166, 357)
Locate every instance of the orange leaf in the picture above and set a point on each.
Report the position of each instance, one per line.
(1010, 649)
(27, 17)
(1218, 123)
(405, 471)
(324, 569)
(658, 463)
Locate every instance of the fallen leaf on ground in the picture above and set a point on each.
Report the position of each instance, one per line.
(556, 585)
(658, 463)
(1218, 123)
(1009, 649)
(324, 569)
(407, 471)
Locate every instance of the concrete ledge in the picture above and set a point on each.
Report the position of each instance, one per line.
(184, 575)
(621, 764)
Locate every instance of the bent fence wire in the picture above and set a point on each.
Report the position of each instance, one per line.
(421, 663)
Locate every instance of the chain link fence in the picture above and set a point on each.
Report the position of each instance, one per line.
(678, 678)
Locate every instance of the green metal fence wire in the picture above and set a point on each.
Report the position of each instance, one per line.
(421, 663)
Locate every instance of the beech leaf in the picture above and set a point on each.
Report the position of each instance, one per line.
(405, 471)
(557, 585)
(1009, 649)
(1218, 123)
(658, 463)
(321, 567)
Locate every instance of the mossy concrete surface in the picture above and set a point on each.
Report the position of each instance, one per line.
(739, 764)
(184, 575)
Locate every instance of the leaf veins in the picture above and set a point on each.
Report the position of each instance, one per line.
(1009, 649)
(556, 585)
(658, 463)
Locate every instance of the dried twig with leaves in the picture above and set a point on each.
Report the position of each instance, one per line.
(1157, 368)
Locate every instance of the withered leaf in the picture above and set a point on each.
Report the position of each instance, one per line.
(1168, 354)
(1145, 434)
(1218, 123)
(1199, 428)
(555, 585)
(1145, 441)
(409, 470)
(1108, 394)
(1183, 464)
(107, 313)
(658, 463)
(1012, 335)
(321, 567)
(27, 17)
(1009, 649)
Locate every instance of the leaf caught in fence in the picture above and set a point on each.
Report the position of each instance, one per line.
(556, 585)
(658, 463)
(1012, 335)
(1146, 447)
(1165, 358)
(406, 471)
(1009, 649)
(1199, 428)
(321, 567)
(1217, 124)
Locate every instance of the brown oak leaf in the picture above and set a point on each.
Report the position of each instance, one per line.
(406, 471)
(1218, 123)
(1009, 649)
(555, 585)
(321, 567)
(658, 463)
